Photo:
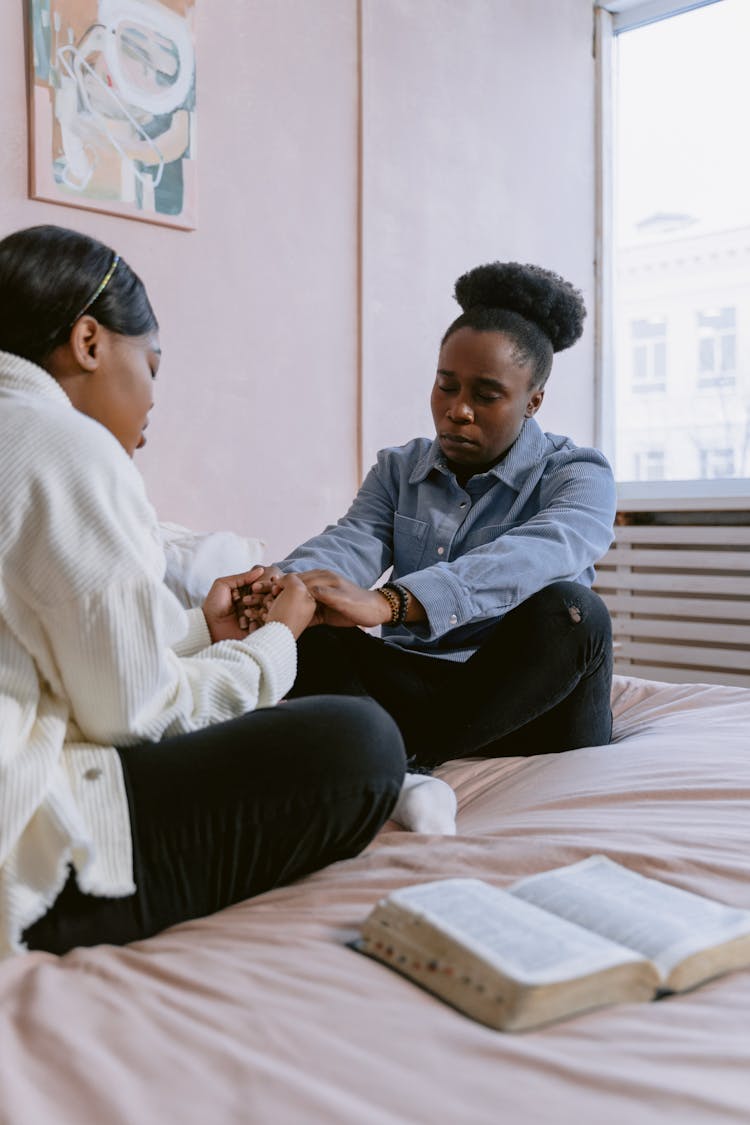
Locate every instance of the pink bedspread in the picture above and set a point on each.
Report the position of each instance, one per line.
(262, 1014)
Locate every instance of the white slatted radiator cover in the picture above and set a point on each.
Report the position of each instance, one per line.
(678, 588)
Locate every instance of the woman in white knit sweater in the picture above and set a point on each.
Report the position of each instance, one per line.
(205, 800)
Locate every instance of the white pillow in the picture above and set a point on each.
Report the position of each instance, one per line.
(195, 559)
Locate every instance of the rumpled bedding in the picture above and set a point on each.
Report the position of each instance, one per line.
(263, 1014)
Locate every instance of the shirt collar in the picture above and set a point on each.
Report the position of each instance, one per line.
(524, 453)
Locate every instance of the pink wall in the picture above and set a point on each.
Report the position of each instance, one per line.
(311, 270)
(478, 146)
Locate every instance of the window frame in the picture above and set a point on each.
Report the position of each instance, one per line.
(650, 459)
(717, 376)
(652, 381)
(611, 18)
(712, 453)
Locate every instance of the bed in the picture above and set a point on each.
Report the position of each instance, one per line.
(262, 1013)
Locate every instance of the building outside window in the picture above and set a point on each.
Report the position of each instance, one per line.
(717, 463)
(649, 343)
(650, 464)
(679, 248)
(717, 348)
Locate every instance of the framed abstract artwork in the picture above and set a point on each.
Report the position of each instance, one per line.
(113, 107)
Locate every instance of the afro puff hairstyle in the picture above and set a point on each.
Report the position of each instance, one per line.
(538, 309)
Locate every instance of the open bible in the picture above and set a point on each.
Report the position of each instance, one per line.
(554, 944)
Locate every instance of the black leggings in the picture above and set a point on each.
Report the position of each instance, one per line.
(224, 813)
(539, 684)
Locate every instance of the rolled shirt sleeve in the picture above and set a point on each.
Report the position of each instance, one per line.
(470, 554)
(110, 637)
(562, 541)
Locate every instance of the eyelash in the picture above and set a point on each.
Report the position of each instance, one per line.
(481, 397)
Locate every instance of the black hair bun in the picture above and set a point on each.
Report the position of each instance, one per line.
(536, 294)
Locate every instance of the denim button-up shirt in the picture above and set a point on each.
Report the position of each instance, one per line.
(471, 554)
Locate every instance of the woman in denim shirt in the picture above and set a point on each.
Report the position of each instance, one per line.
(493, 642)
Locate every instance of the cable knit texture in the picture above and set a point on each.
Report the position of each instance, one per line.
(95, 652)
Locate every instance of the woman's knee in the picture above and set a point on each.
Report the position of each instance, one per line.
(359, 770)
(574, 605)
(362, 736)
(355, 739)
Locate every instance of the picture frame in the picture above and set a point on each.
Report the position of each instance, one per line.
(112, 107)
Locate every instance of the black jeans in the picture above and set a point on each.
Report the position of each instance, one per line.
(224, 813)
(539, 684)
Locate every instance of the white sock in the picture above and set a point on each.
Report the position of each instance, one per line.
(426, 804)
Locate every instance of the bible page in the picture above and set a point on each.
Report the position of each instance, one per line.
(658, 920)
(526, 943)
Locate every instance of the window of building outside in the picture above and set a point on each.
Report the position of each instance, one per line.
(681, 247)
(717, 463)
(649, 464)
(716, 348)
(649, 343)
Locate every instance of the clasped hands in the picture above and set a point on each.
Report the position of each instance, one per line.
(239, 604)
(314, 597)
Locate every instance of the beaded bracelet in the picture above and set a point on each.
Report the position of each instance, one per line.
(394, 601)
(398, 617)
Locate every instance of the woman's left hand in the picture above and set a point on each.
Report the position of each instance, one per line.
(219, 608)
(342, 603)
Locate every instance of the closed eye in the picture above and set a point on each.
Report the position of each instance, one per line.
(154, 361)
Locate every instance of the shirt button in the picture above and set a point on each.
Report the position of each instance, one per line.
(93, 774)
(453, 620)
(441, 550)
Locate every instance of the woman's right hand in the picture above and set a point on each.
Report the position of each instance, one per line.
(293, 604)
(251, 601)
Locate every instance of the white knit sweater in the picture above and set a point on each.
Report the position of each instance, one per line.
(95, 652)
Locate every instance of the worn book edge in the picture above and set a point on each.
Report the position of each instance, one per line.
(443, 964)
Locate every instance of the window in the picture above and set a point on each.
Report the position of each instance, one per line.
(716, 348)
(675, 251)
(717, 463)
(649, 464)
(649, 341)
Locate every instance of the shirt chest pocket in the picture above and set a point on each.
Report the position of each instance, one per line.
(409, 543)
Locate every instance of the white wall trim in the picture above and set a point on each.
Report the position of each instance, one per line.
(627, 14)
(604, 419)
(718, 495)
(732, 493)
